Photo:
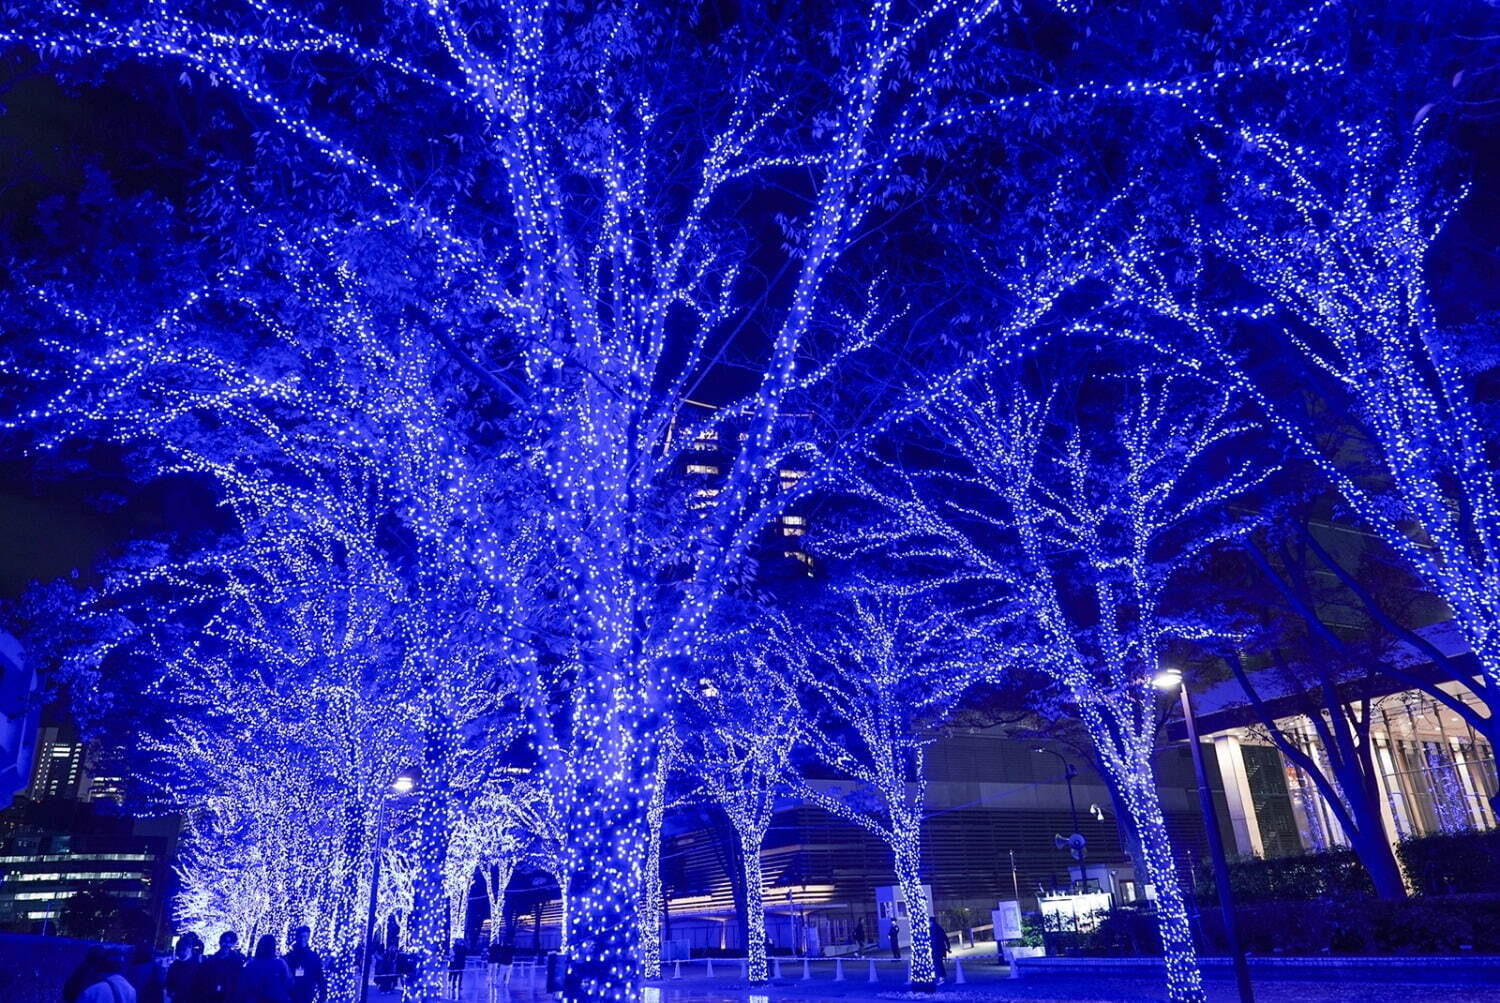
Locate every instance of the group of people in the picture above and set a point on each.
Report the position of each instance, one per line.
(225, 976)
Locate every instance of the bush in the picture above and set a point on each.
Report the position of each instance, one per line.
(1453, 863)
(1434, 925)
(1334, 873)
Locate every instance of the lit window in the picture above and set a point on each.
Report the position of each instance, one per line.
(702, 468)
(794, 520)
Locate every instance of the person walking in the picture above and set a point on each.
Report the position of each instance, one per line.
(182, 974)
(502, 957)
(98, 979)
(458, 960)
(220, 971)
(895, 939)
(144, 974)
(265, 977)
(309, 983)
(939, 949)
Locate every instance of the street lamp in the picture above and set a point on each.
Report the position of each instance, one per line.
(1168, 680)
(404, 784)
(1069, 772)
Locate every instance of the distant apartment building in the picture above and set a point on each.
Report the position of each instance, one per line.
(65, 837)
(18, 718)
(47, 858)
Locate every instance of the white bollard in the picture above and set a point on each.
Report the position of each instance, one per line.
(778, 969)
(677, 969)
(838, 969)
(872, 971)
(958, 972)
(710, 968)
(806, 970)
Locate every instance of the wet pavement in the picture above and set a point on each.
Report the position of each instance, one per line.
(984, 981)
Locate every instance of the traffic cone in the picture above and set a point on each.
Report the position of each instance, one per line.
(806, 970)
(710, 967)
(838, 969)
(744, 968)
(677, 969)
(872, 971)
(778, 968)
(958, 972)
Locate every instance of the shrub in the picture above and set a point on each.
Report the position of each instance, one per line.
(1433, 925)
(1334, 873)
(1453, 863)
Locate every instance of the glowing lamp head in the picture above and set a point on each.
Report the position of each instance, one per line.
(403, 784)
(1167, 679)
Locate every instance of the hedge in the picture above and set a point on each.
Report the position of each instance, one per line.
(1333, 873)
(1450, 924)
(1453, 863)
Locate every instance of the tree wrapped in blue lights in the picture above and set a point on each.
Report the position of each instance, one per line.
(1063, 525)
(373, 541)
(600, 213)
(881, 674)
(1335, 339)
(746, 719)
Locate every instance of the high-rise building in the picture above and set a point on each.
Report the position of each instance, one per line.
(60, 768)
(18, 718)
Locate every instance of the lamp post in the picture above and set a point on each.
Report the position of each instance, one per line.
(1069, 772)
(1168, 680)
(403, 784)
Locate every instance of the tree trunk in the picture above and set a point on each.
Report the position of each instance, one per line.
(651, 908)
(429, 919)
(907, 851)
(1184, 979)
(603, 894)
(755, 909)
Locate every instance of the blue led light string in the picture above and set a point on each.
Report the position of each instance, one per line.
(1035, 518)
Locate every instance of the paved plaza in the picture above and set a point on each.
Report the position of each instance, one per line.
(984, 980)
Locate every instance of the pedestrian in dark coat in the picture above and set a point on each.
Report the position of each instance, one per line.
(309, 983)
(145, 975)
(457, 962)
(220, 971)
(183, 972)
(939, 950)
(265, 977)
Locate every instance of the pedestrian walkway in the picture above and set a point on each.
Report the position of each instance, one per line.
(983, 981)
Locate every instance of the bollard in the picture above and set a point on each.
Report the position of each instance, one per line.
(872, 971)
(677, 969)
(838, 969)
(958, 972)
(778, 969)
(710, 972)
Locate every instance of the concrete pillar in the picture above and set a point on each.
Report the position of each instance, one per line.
(1242, 820)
